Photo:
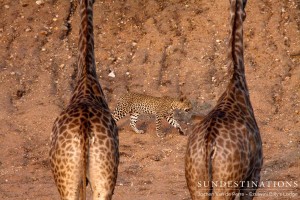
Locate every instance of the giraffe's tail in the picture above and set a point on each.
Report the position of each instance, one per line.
(84, 132)
(211, 149)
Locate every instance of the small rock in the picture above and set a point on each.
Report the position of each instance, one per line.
(286, 41)
(54, 19)
(127, 73)
(167, 151)
(28, 29)
(43, 49)
(64, 28)
(6, 6)
(112, 74)
(40, 2)
(218, 41)
(156, 157)
(13, 73)
(43, 32)
(18, 73)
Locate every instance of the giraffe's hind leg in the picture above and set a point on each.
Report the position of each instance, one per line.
(225, 175)
(102, 173)
(66, 164)
(252, 184)
(103, 163)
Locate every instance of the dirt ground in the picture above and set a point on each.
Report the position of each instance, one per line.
(172, 48)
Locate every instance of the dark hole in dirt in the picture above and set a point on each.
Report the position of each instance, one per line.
(20, 93)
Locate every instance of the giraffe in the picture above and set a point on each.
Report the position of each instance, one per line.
(84, 139)
(224, 151)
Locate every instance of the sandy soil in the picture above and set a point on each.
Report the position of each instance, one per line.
(157, 47)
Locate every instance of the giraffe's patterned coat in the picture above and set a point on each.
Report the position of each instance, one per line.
(226, 145)
(84, 139)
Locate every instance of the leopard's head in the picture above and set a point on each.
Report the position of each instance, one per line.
(183, 104)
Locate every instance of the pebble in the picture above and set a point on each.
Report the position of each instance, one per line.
(167, 151)
(6, 6)
(213, 79)
(28, 29)
(64, 28)
(43, 32)
(40, 2)
(112, 74)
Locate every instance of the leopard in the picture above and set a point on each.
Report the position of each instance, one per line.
(164, 107)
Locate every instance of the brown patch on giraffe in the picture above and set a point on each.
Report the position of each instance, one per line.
(72, 125)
